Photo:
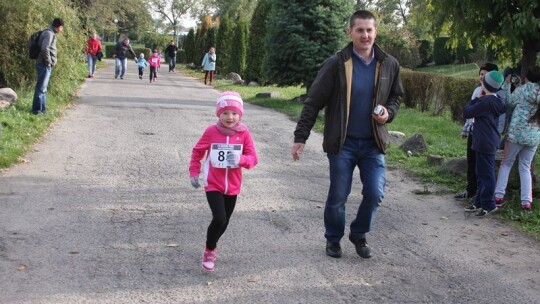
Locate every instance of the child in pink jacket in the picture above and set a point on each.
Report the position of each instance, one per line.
(226, 147)
(155, 62)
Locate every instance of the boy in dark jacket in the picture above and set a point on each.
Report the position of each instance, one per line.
(485, 139)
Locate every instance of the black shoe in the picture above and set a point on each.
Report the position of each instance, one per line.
(333, 249)
(472, 208)
(361, 247)
(483, 213)
(463, 196)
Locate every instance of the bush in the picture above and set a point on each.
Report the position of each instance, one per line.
(25, 17)
(436, 92)
(400, 45)
(442, 53)
(456, 93)
(425, 51)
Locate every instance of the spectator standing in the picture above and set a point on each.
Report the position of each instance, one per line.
(45, 62)
(209, 64)
(523, 137)
(485, 141)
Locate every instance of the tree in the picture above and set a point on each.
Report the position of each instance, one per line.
(223, 44)
(511, 24)
(301, 35)
(239, 51)
(174, 10)
(256, 52)
(190, 46)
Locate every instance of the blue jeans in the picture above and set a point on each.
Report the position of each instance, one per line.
(40, 93)
(172, 63)
(91, 64)
(120, 66)
(526, 155)
(364, 154)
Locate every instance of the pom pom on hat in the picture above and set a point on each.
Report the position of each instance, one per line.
(493, 81)
(229, 100)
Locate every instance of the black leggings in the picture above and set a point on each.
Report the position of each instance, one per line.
(222, 207)
(153, 73)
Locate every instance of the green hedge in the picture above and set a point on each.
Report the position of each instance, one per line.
(425, 51)
(436, 92)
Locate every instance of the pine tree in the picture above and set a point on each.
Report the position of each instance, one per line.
(190, 46)
(301, 35)
(223, 44)
(256, 52)
(239, 51)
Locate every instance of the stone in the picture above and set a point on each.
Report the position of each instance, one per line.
(435, 160)
(456, 166)
(7, 98)
(416, 144)
(267, 95)
(396, 137)
(253, 84)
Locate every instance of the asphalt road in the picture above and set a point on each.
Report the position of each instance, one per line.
(103, 212)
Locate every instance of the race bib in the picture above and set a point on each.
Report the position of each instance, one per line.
(225, 155)
(154, 60)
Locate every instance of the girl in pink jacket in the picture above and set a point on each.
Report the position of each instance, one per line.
(155, 62)
(226, 147)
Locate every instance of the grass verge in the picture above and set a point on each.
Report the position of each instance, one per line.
(440, 132)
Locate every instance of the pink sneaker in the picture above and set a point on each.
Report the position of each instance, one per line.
(499, 202)
(209, 257)
(526, 206)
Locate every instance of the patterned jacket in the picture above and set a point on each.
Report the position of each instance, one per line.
(525, 101)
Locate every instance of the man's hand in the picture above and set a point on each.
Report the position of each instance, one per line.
(297, 149)
(381, 119)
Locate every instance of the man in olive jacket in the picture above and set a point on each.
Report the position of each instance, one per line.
(360, 89)
(45, 62)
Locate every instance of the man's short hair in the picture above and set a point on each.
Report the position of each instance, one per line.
(362, 14)
(57, 22)
(488, 66)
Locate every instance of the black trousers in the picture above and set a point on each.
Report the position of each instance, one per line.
(153, 73)
(472, 181)
(222, 207)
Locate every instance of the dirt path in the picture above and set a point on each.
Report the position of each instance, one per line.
(103, 213)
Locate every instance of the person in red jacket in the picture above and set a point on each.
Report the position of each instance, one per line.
(93, 46)
(155, 62)
(226, 147)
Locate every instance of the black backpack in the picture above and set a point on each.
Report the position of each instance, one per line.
(33, 45)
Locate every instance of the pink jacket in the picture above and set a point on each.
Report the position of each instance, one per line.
(154, 60)
(225, 180)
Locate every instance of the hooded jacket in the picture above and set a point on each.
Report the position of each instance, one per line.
(331, 90)
(224, 180)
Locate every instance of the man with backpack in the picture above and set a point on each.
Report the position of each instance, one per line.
(45, 61)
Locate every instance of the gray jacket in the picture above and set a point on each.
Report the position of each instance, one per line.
(47, 41)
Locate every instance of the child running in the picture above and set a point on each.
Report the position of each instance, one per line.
(485, 141)
(142, 63)
(155, 63)
(227, 147)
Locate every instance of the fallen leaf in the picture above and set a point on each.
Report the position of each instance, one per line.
(22, 267)
(444, 218)
(424, 223)
(208, 283)
(172, 245)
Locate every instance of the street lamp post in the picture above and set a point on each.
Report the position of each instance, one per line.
(115, 29)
